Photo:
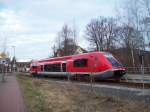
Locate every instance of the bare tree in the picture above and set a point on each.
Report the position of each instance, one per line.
(132, 13)
(101, 33)
(130, 39)
(146, 6)
(131, 33)
(137, 13)
(54, 51)
(146, 31)
(65, 42)
(146, 20)
(111, 31)
(75, 35)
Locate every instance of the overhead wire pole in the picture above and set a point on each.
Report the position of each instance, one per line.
(4, 63)
(141, 55)
(3, 73)
(142, 65)
(14, 63)
(13, 49)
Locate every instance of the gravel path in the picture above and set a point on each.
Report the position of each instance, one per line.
(11, 99)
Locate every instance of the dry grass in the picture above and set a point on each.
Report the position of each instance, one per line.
(42, 96)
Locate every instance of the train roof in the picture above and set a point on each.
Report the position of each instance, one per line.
(64, 58)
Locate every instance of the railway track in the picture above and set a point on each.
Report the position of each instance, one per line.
(120, 83)
(127, 84)
(123, 83)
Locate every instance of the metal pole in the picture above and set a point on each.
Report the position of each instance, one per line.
(14, 50)
(143, 72)
(3, 73)
(14, 64)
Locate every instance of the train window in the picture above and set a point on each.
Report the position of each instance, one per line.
(81, 63)
(52, 68)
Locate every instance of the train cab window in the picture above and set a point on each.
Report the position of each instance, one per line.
(114, 62)
(80, 63)
(34, 67)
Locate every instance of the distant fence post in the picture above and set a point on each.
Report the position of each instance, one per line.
(68, 76)
(91, 82)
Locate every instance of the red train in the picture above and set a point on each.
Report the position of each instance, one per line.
(101, 65)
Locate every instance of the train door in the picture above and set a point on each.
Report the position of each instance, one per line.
(63, 67)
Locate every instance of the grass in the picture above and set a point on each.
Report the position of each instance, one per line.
(33, 98)
(42, 96)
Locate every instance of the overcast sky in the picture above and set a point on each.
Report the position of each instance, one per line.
(32, 25)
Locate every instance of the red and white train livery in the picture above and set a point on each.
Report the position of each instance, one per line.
(101, 65)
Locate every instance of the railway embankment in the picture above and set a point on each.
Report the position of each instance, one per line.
(46, 95)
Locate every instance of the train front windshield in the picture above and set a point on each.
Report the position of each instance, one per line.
(112, 60)
(34, 66)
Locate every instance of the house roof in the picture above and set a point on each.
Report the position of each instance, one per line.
(3, 55)
(77, 50)
(84, 51)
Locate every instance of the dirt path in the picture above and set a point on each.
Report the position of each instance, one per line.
(11, 99)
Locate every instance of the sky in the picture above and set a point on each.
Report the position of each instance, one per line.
(32, 25)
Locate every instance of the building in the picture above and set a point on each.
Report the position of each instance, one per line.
(23, 66)
(79, 50)
(5, 63)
